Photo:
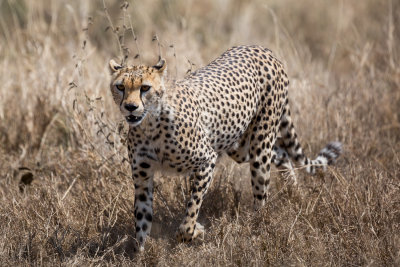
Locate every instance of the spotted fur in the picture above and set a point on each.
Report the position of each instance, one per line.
(238, 104)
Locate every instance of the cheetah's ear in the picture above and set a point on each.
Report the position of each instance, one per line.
(114, 66)
(161, 65)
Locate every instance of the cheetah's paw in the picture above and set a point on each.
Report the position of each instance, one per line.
(186, 234)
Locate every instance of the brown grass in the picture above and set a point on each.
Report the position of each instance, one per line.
(67, 198)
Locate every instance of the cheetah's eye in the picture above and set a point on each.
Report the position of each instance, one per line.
(145, 88)
(120, 87)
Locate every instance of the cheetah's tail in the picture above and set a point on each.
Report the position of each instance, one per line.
(289, 142)
(327, 156)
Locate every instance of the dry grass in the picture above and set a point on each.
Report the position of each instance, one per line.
(67, 198)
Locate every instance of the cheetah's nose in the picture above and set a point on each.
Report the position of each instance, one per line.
(131, 107)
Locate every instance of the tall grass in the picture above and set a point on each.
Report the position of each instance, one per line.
(65, 187)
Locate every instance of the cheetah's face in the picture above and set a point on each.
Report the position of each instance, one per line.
(137, 89)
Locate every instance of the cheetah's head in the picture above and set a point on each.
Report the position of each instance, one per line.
(137, 89)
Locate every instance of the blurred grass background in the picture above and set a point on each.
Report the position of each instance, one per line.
(67, 197)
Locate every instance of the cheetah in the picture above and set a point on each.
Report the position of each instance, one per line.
(238, 105)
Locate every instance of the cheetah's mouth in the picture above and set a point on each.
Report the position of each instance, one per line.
(134, 120)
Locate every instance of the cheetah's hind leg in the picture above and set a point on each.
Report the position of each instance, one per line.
(282, 162)
(290, 143)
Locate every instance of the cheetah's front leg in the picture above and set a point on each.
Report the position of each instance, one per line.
(190, 228)
(143, 178)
